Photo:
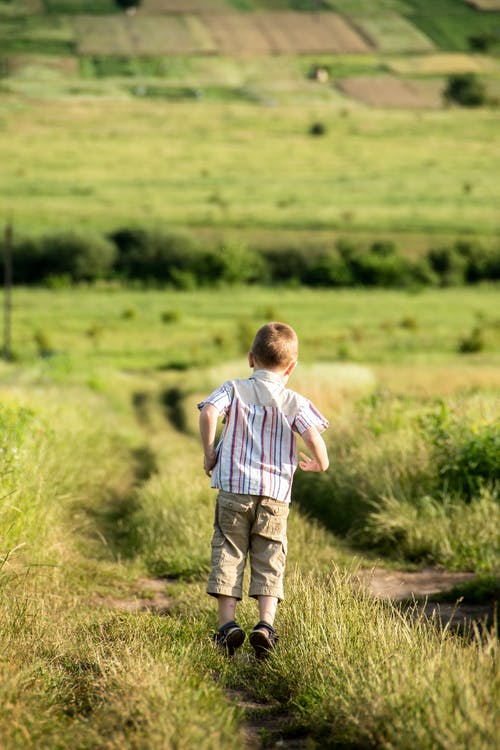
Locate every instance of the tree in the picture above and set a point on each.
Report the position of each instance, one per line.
(127, 4)
(465, 89)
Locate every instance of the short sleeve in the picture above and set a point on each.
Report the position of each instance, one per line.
(220, 398)
(308, 416)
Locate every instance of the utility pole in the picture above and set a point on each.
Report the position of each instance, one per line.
(7, 299)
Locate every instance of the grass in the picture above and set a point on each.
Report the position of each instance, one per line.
(111, 326)
(115, 491)
(451, 23)
(364, 175)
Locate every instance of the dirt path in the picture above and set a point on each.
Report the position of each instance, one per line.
(265, 724)
(421, 585)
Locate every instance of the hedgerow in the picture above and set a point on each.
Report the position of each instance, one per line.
(179, 260)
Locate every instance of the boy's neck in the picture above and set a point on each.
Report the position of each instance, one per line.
(283, 373)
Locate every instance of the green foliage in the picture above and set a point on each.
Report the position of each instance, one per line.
(419, 487)
(466, 453)
(472, 343)
(451, 23)
(73, 255)
(126, 4)
(465, 89)
(155, 256)
(171, 316)
(318, 128)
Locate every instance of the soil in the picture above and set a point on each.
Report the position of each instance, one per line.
(147, 595)
(419, 586)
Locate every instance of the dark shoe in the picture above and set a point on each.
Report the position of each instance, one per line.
(229, 637)
(263, 638)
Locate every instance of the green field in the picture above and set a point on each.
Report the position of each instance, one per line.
(105, 512)
(103, 162)
(104, 504)
(218, 143)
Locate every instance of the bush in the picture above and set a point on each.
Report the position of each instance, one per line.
(482, 42)
(29, 264)
(480, 263)
(465, 89)
(289, 263)
(154, 256)
(472, 343)
(126, 4)
(231, 263)
(466, 453)
(83, 257)
(328, 269)
(318, 128)
(449, 264)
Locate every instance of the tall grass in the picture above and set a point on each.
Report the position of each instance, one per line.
(415, 482)
(359, 673)
(73, 673)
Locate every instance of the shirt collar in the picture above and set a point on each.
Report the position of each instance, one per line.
(274, 377)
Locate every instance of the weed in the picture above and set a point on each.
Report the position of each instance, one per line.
(171, 316)
(472, 343)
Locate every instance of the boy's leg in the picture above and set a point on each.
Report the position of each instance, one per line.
(268, 547)
(230, 541)
(227, 609)
(267, 608)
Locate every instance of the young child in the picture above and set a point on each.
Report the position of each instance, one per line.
(252, 467)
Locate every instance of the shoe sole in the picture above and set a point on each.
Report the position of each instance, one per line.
(234, 641)
(260, 643)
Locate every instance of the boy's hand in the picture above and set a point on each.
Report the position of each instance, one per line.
(209, 461)
(309, 464)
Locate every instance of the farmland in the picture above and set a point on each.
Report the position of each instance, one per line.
(177, 118)
(244, 135)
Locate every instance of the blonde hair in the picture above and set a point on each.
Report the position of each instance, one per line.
(275, 345)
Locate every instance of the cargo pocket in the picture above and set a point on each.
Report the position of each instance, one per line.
(230, 513)
(218, 540)
(271, 520)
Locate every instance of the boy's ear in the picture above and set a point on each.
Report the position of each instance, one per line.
(291, 367)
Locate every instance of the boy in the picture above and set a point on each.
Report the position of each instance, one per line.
(252, 467)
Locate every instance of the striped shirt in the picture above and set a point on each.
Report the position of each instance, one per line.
(257, 452)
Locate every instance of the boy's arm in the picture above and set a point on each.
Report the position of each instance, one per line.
(208, 426)
(317, 447)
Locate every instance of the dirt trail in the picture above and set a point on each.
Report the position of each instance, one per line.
(406, 586)
(146, 594)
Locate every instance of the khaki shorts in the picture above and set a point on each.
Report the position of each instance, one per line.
(253, 524)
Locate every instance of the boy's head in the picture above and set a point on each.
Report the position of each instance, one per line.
(275, 347)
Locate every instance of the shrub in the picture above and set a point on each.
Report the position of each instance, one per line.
(449, 264)
(129, 313)
(472, 343)
(480, 263)
(466, 452)
(482, 42)
(465, 89)
(328, 269)
(126, 4)
(29, 265)
(154, 255)
(83, 257)
(231, 263)
(289, 263)
(317, 128)
(171, 316)
(375, 269)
